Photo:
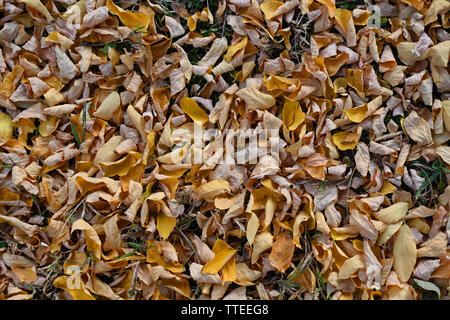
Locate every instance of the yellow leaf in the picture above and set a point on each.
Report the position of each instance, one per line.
(337, 234)
(392, 214)
(106, 152)
(192, 109)
(275, 83)
(204, 15)
(175, 156)
(331, 6)
(137, 120)
(292, 115)
(104, 290)
(133, 20)
(224, 202)
(252, 228)
(355, 79)
(154, 256)
(362, 19)
(56, 37)
(418, 4)
(333, 64)
(269, 212)
(229, 272)
(53, 97)
(405, 253)
(245, 275)
(387, 188)
(436, 7)
(418, 129)
(222, 253)
(208, 191)
(434, 247)
(26, 127)
(122, 166)
(282, 252)
(10, 81)
(388, 233)
(235, 48)
(444, 153)
(165, 225)
(269, 7)
(440, 54)
(49, 126)
(345, 140)
(92, 240)
(405, 52)
(350, 266)
(149, 147)
(25, 227)
(75, 286)
(357, 114)
(263, 241)
(419, 224)
(255, 99)
(179, 285)
(6, 127)
(27, 275)
(108, 107)
(36, 4)
(446, 114)
(343, 16)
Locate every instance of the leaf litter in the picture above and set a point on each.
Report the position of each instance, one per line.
(100, 198)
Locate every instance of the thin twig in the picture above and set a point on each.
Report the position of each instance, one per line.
(197, 289)
(224, 18)
(390, 135)
(133, 288)
(348, 188)
(189, 244)
(70, 215)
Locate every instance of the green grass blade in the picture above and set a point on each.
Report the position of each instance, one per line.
(75, 133)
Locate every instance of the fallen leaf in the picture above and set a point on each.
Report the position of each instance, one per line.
(405, 253)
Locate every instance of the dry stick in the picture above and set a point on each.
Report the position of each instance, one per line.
(224, 18)
(313, 262)
(46, 283)
(70, 215)
(342, 2)
(197, 289)
(239, 224)
(348, 188)
(430, 182)
(189, 244)
(133, 288)
(306, 261)
(388, 136)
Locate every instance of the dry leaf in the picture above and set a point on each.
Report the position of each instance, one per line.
(405, 253)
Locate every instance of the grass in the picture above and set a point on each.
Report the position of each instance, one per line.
(126, 255)
(42, 211)
(83, 120)
(349, 4)
(137, 246)
(434, 175)
(79, 140)
(75, 133)
(107, 46)
(290, 282)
